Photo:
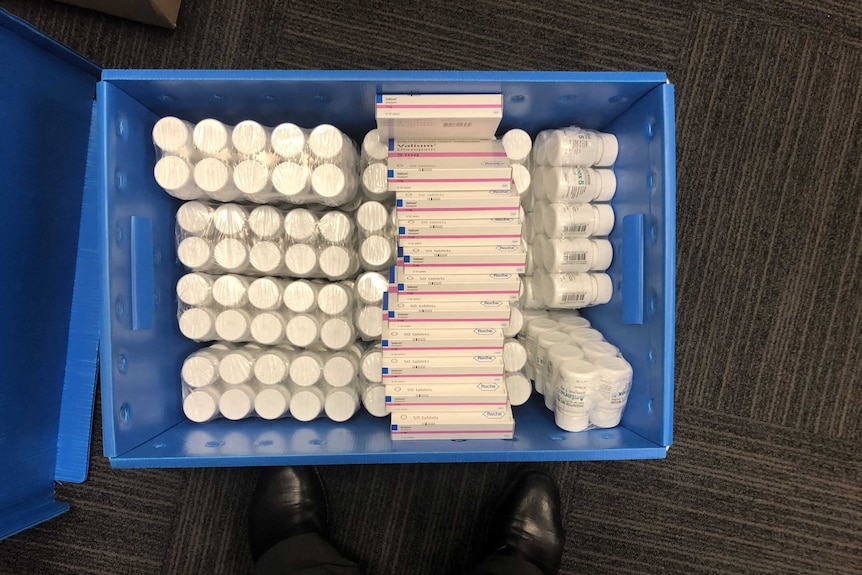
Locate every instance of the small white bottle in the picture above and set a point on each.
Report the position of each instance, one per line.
(215, 178)
(335, 299)
(340, 369)
(369, 322)
(302, 330)
(518, 145)
(195, 289)
(582, 335)
(272, 402)
(200, 369)
(544, 342)
(369, 288)
(573, 184)
(306, 369)
(288, 141)
(271, 367)
(615, 382)
(265, 223)
(534, 329)
(374, 399)
(174, 136)
(514, 355)
(576, 290)
(557, 355)
(268, 328)
(375, 183)
(521, 179)
(568, 255)
(336, 228)
(231, 255)
(266, 257)
(326, 144)
(336, 262)
(593, 350)
(570, 317)
(341, 403)
(212, 139)
(376, 253)
(518, 387)
(194, 218)
(577, 220)
(371, 365)
(265, 294)
(235, 367)
(575, 392)
(233, 325)
(198, 324)
(292, 181)
(332, 185)
(337, 333)
(306, 403)
(576, 147)
(372, 218)
(249, 138)
(174, 175)
(373, 150)
(251, 177)
(300, 260)
(202, 405)
(529, 299)
(516, 322)
(300, 225)
(230, 290)
(237, 402)
(230, 221)
(301, 296)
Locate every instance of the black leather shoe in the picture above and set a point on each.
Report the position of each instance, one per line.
(527, 522)
(288, 501)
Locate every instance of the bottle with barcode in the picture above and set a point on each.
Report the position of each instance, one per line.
(573, 254)
(576, 290)
(577, 220)
(572, 184)
(574, 146)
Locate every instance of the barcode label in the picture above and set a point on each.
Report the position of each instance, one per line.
(457, 124)
(575, 229)
(573, 297)
(574, 256)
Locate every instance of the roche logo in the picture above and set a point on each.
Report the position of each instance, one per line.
(484, 357)
(508, 248)
(500, 276)
(493, 414)
(492, 303)
(485, 331)
(488, 386)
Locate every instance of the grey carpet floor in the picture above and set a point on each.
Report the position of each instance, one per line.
(765, 475)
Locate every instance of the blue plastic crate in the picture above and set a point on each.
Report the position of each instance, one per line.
(102, 271)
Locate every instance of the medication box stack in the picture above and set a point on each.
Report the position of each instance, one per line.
(457, 272)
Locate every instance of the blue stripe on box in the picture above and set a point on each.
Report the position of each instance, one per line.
(390, 173)
(391, 314)
(388, 398)
(402, 230)
(384, 343)
(391, 274)
(399, 203)
(385, 371)
(400, 287)
(406, 259)
(385, 300)
(394, 427)
(391, 144)
(400, 251)
(379, 98)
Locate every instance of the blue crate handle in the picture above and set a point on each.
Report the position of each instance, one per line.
(633, 269)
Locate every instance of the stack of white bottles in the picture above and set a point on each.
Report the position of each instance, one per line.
(231, 238)
(285, 165)
(584, 379)
(570, 219)
(274, 382)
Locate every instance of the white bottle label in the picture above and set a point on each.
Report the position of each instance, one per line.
(577, 183)
(572, 395)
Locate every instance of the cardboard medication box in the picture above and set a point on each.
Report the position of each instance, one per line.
(90, 267)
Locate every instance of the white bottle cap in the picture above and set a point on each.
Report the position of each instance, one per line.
(271, 367)
(194, 253)
(306, 369)
(300, 259)
(266, 257)
(306, 404)
(337, 333)
(521, 179)
(516, 322)
(518, 387)
(339, 370)
(272, 402)
(603, 255)
(171, 135)
(199, 370)
(375, 183)
(604, 214)
(326, 142)
(194, 289)
(302, 330)
(572, 421)
(236, 367)
(230, 220)
(341, 404)
(617, 366)
(292, 180)
(582, 335)
(214, 177)
(194, 217)
(607, 185)
(540, 325)
(201, 405)
(605, 418)
(265, 294)
(334, 299)
(248, 138)
(267, 328)
(561, 352)
(236, 403)
(265, 222)
(373, 148)
(300, 225)
(329, 181)
(288, 141)
(514, 355)
(376, 252)
(571, 319)
(335, 227)
(369, 322)
(518, 145)
(233, 325)
(596, 349)
(374, 400)
(335, 262)
(369, 288)
(300, 296)
(372, 217)
(610, 149)
(531, 314)
(210, 136)
(231, 254)
(604, 288)
(230, 290)
(372, 366)
(550, 338)
(174, 175)
(198, 323)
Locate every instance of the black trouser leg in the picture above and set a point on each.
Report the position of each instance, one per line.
(504, 564)
(307, 554)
